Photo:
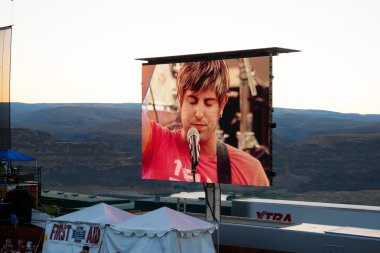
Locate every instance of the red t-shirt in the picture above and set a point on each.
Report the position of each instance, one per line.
(167, 157)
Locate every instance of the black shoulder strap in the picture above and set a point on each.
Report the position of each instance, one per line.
(223, 163)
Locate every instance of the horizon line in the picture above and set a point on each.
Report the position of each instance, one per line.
(119, 103)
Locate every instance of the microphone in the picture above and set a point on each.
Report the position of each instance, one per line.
(193, 139)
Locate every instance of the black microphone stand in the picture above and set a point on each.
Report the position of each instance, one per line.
(194, 153)
(194, 169)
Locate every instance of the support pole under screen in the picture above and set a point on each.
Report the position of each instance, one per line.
(213, 202)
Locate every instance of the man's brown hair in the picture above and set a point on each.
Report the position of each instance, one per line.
(201, 76)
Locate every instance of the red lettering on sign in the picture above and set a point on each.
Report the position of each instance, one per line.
(288, 218)
(53, 231)
(261, 215)
(60, 232)
(269, 215)
(93, 235)
(274, 216)
(97, 235)
(277, 216)
(89, 236)
(68, 227)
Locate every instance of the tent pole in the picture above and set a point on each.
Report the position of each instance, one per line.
(213, 202)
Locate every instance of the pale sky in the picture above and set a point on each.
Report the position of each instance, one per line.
(84, 50)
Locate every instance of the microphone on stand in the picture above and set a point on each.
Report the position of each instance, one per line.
(193, 139)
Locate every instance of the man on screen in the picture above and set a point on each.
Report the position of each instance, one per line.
(202, 95)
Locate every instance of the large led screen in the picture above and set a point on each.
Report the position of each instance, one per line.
(207, 121)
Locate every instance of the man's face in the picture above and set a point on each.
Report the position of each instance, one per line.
(202, 111)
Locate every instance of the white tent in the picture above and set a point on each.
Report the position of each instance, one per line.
(69, 233)
(39, 218)
(162, 230)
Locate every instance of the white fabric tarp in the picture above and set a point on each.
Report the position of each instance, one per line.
(162, 230)
(69, 233)
(39, 218)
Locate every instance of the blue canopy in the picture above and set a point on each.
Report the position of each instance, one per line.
(11, 155)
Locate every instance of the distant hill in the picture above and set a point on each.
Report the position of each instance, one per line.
(17, 107)
(73, 163)
(297, 126)
(329, 114)
(76, 122)
(109, 159)
(341, 162)
(79, 121)
(99, 144)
